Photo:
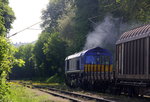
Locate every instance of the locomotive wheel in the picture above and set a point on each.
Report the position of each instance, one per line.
(133, 91)
(68, 81)
(95, 86)
(86, 85)
(115, 89)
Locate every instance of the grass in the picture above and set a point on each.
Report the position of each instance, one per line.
(51, 82)
(55, 79)
(23, 94)
(20, 93)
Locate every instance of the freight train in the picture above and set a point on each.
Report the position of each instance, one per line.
(128, 74)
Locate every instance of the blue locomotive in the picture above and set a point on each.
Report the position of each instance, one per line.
(89, 68)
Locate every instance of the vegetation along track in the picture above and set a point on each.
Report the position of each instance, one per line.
(62, 91)
(76, 97)
(72, 96)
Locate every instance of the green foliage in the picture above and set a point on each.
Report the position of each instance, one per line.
(71, 20)
(54, 11)
(55, 79)
(82, 25)
(7, 51)
(6, 17)
(44, 59)
(118, 1)
(6, 55)
(39, 56)
(55, 49)
(66, 25)
(7, 60)
(22, 94)
(26, 71)
(129, 10)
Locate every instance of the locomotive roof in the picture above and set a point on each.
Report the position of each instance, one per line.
(82, 53)
(134, 34)
(76, 54)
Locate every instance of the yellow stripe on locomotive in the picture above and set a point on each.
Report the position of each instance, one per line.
(97, 68)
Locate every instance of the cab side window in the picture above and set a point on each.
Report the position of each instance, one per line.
(67, 65)
(78, 65)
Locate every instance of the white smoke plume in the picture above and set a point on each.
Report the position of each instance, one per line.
(105, 34)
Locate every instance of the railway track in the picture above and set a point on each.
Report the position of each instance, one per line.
(80, 96)
(75, 97)
(72, 96)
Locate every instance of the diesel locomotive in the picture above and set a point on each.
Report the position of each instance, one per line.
(129, 74)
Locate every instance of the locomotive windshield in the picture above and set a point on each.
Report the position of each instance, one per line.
(90, 60)
(97, 59)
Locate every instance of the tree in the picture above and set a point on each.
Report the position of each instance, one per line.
(54, 11)
(6, 17)
(39, 56)
(49, 54)
(7, 60)
(26, 71)
(55, 51)
(129, 10)
(71, 19)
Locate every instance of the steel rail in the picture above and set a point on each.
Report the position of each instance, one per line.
(74, 95)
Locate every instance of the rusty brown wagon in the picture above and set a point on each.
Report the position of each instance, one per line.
(133, 59)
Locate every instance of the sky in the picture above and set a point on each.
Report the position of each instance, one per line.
(27, 13)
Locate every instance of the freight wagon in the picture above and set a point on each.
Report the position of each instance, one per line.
(133, 60)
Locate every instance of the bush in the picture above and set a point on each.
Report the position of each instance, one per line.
(55, 79)
(7, 60)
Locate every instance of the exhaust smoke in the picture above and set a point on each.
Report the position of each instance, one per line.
(105, 34)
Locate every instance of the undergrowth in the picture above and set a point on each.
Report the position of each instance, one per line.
(23, 94)
(55, 79)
